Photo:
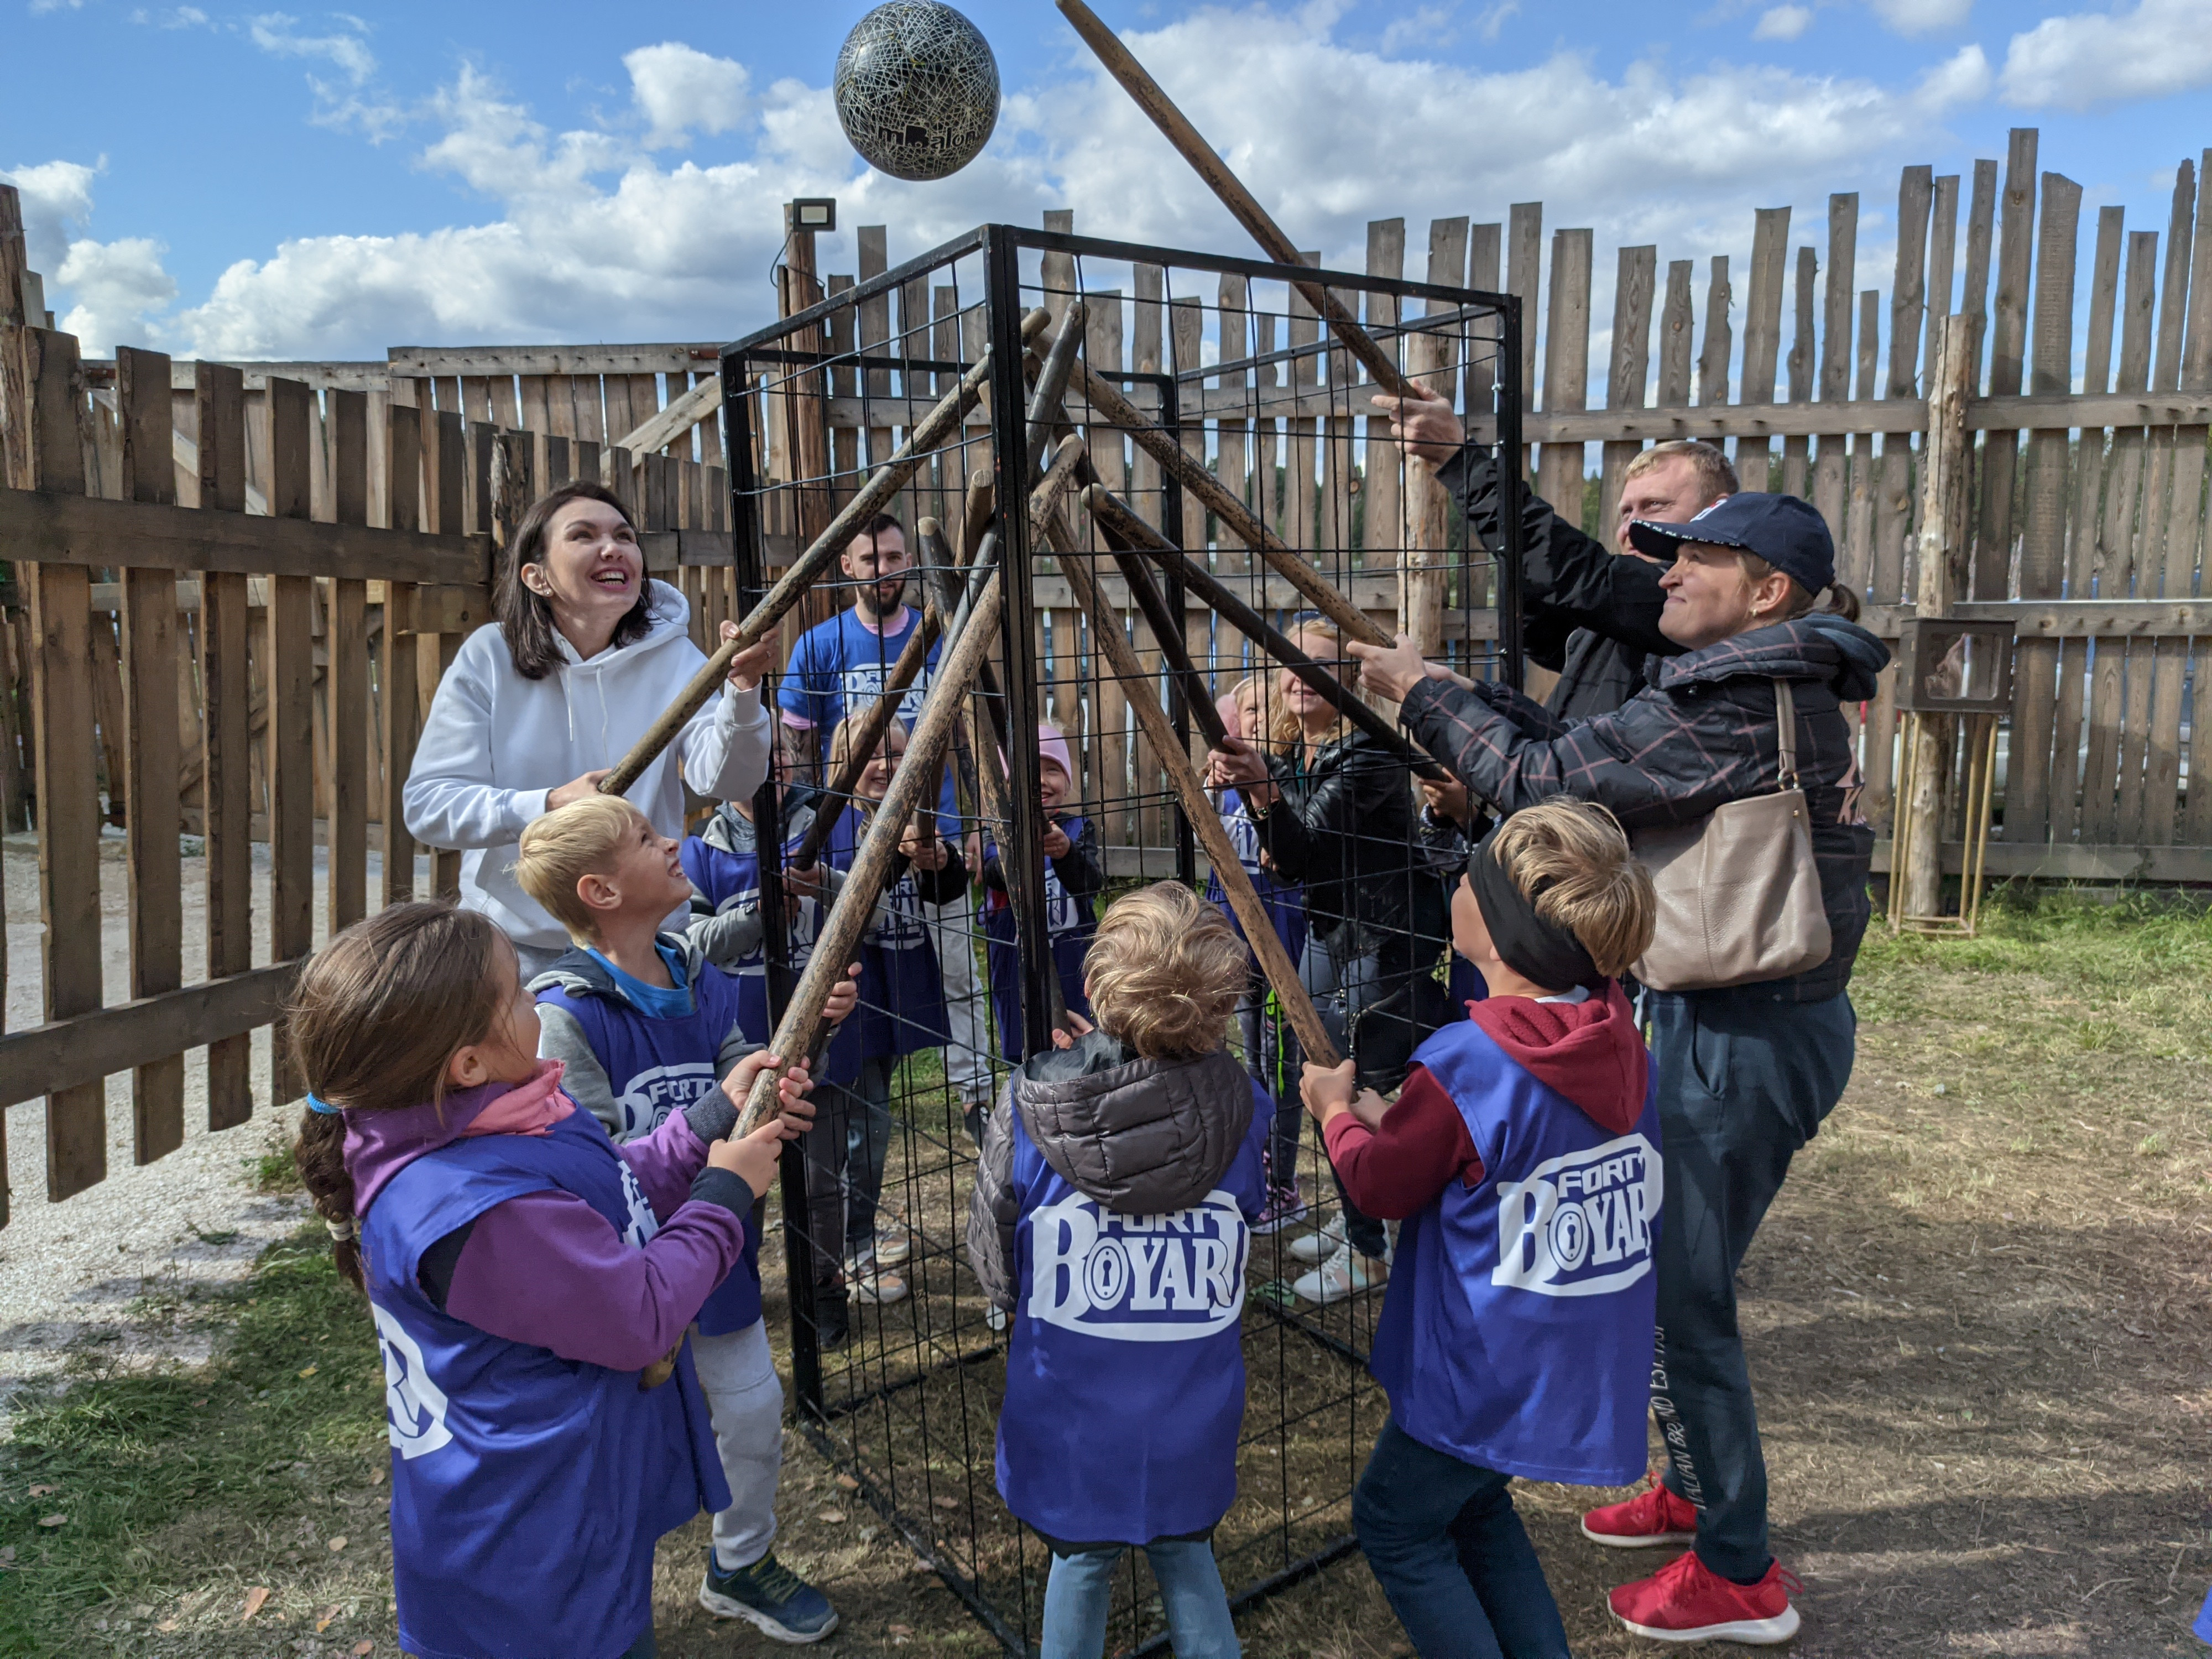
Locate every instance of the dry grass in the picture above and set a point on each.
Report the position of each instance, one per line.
(1975, 1319)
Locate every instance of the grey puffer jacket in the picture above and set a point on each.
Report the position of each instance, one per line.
(1136, 1136)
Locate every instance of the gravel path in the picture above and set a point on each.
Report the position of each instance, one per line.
(115, 1266)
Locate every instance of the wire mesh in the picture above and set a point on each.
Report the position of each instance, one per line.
(899, 1364)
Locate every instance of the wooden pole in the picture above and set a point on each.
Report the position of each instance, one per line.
(1191, 145)
(1122, 525)
(801, 1024)
(872, 498)
(1946, 473)
(1286, 563)
(1204, 820)
(880, 715)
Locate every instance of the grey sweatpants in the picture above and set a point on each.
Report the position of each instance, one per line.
(745, 1400)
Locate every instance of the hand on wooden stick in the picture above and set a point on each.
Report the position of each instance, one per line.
(923, 849)
(753, 1160)
(844, 997)
(1054, 840)
(1237, 765)
(794, 1111)
(1392, 671)
(576, 789)
(747, 667)
(1077, 1026)
(1424, 422)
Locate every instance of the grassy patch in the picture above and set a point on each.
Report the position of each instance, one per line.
(183, 1489)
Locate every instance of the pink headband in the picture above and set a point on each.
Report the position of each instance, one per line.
(1052, 746)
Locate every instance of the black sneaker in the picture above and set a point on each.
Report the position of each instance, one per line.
(770, 1597)
(832, 1317)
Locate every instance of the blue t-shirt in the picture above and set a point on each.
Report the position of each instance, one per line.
(672, 1002)
(841, 663)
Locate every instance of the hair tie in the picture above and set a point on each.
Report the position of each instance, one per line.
(317, 1104)
(341, 1232)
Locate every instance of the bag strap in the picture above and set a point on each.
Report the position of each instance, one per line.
(1785, 720)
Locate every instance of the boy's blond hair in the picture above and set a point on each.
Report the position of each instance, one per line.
(1164, 972)
(1570, 859)
(568, 843)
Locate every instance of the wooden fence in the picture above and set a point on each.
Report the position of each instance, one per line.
(233, 588)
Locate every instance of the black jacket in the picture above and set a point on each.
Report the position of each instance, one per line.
(1343, 826)
(1589, 614)
(1701, 735)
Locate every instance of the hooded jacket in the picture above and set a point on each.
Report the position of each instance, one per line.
(1702, 734)
(1112, 1216)
(1343, 826)
(496, 745)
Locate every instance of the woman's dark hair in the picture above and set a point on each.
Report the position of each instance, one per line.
(525, 619)
(372, 1022)
(1835, 597)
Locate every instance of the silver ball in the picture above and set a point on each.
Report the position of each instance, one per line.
(917, 89)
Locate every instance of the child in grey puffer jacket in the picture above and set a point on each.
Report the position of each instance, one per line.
(1112, 1217)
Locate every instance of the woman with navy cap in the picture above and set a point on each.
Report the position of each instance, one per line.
(1746, 1073)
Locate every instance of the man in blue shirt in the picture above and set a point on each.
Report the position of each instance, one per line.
(839, 666)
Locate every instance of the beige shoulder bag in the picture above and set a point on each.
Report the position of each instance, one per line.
(1739, 893)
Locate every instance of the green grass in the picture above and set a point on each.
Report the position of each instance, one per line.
(132, 1458)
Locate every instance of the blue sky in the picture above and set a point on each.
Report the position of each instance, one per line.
(242, 183)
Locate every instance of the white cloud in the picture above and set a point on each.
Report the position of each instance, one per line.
(1429, 27)
(1494, 18)
(1782, 23)
(678, 89)
(592, 233)
(116, 287)
(56, 195)
(177, 18)
(2154, 49)
(39, 7)
(277, 34)
(1922, 16)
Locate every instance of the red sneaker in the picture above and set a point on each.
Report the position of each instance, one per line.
(1684, 1601)
(1652, 1517)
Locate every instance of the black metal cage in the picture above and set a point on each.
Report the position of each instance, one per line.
(1242, 373)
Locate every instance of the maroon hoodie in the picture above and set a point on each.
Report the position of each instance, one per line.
(1591, 1052)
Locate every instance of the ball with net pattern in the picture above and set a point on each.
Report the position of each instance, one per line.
(917, 89)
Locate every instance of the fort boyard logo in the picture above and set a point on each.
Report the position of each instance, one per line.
(1581, 1224)
(1140, 1278)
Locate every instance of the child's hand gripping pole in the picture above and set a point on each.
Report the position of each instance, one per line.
(802, 1023)
(1259, 932)
(928, 434)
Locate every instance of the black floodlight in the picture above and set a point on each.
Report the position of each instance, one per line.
(811, 213)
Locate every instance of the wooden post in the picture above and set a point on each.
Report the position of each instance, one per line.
(227, 771)
(291, 656)
(1946, 475)
(346, 674)
(150, 687)
(69, 798)
(399, 701)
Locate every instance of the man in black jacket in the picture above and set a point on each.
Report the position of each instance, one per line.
(1591, 616)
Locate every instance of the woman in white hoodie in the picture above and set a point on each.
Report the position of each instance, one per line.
(539, 706)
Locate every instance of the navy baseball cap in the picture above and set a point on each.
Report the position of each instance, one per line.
(1785, 532)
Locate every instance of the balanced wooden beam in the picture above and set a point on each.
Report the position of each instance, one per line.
(879, 714)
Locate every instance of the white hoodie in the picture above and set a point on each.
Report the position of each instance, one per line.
(496, 745)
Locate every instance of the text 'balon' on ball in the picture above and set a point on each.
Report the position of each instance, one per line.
(917, 89)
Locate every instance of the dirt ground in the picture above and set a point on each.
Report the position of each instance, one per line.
(1975, 1320)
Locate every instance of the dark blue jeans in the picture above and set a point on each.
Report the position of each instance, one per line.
(1449, 1551)
(1745, 1079)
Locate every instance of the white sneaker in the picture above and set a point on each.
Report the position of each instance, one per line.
(994, 1316)
(865, 1282)
(895, 1246)
(1321, 1243)
(1345, 1273)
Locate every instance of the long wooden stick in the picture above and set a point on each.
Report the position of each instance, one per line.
(922, 441)
(1285, 560)
(1168, 631)
(1120, 524)
(1204, 818)
(1191, 145)
(797, 1032)
(869, 734)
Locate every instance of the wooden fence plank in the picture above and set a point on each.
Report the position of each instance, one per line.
(1524, 259)
(345, 674)
(2197, 376)
(1103, 350)
(1383, 514)
(1994, 535)
(1633, 280)
(2031, 783)
(1677, 335)
(1148, 354)
(290, 665)
(1234, 434)
(220, 1012)
(1857, 549)
(226, 778)
(1300, 437)
(1762, 334)
(149, 656)
(1828, 463)
(1892, 501)
(1713, 360)
(2116, 729)
(1566, 366)
(1942, 259)
(1186, 332)
(62, 665)
(2074, 745)
(2184, 515)
(398, 702)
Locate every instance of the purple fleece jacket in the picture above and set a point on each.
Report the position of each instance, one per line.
(546, 1268)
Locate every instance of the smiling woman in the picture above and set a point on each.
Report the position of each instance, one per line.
(537, 706)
